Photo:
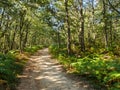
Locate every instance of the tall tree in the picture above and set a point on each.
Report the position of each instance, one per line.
(105, 23)
(81, 32)
(68, 28)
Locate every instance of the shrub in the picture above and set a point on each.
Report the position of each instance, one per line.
(107, 73)
(101, 68)
(9, 69)
(33, 49)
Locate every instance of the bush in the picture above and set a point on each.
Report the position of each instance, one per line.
(33, 49)
(102, 68)
(12, 63)
(107, 73)
(55, 50)
(9, 69)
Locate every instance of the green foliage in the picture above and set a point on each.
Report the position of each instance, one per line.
(33, 49)
(107, 73)
(102, 68)
(55, 50)
(12, 63)
(9, 69)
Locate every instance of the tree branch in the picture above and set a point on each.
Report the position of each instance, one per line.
(113, 7)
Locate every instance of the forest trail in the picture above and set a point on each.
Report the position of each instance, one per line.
(44, 73)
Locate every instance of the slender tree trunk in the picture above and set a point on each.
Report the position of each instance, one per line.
(68, 28)
(21, 30)
(20, 39)
(58, 37)
(13, 38)
(93, 11)
(5, 35)
(105, 23)
(20, 42)
(93, 22)
(81, 33)
(1, 19)
(26, 36)
(9, 35)
(111, 35)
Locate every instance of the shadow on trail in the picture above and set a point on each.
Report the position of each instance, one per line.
(44, 73)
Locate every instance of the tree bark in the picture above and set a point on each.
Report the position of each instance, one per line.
(26, 35)
(68, 28)
(105, 23)
(81, 33)
(13, 38)
(58, 37)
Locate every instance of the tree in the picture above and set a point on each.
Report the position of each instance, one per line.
(105, 23)
(68, 28)
(81, 32)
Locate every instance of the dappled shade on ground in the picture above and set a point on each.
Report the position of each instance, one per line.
(44, 73)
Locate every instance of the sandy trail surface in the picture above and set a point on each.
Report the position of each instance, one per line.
(44, 73)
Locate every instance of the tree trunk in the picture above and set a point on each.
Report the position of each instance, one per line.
(68, 28)
(21, 30)
(58, 37)
(13, 38)
(81, 33)
(26, 36)
(105, 23)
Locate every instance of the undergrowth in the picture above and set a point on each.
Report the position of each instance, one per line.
(33, 49)
(10, 67)
(102, 68)
(12, 64)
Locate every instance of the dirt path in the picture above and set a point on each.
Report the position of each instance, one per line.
(44, 73)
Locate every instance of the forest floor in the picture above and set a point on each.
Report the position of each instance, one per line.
(44, 73)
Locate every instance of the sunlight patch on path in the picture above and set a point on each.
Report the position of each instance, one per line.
(46, 74)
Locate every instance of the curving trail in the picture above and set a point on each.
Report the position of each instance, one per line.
(44, 73)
